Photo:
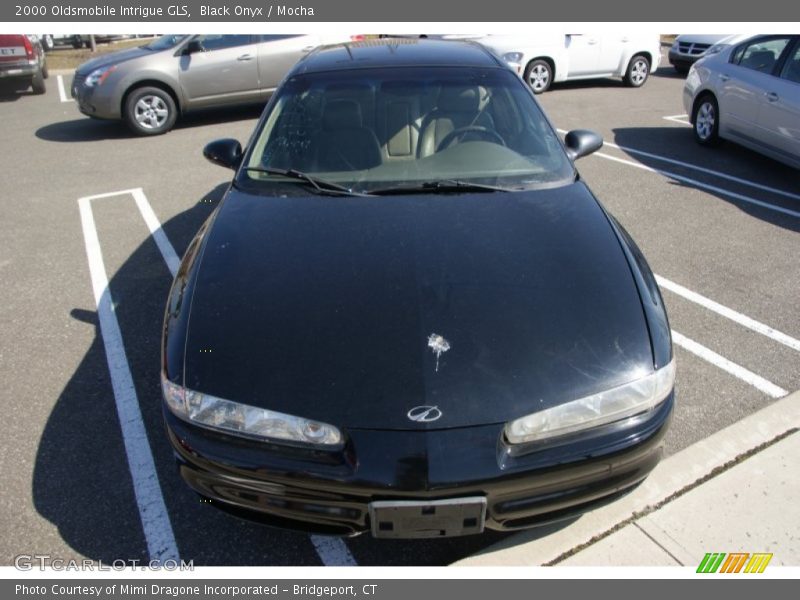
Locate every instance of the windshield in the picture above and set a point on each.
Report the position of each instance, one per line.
(375, 129)
(165, 42)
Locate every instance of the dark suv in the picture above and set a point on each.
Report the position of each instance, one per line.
(23, 62)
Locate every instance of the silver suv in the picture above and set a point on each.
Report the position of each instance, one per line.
(149, 86)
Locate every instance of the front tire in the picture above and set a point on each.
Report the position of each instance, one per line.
(150, 111)
(539, 75)
(705, 121)
(638, 71)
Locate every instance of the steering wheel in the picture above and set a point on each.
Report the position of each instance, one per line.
(488, 134)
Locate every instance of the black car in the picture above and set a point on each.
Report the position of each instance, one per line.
(409, 315)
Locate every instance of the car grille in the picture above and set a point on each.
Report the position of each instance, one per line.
(692, 49)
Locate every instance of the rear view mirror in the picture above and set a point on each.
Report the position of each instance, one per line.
(582, 142)
(226, 152)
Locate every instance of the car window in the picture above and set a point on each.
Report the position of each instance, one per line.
(220, 42)
(760, 55)
(276, 38)
(379, 128)
(165, 42)
(791, 70)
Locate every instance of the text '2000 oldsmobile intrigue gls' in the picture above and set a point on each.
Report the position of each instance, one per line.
(408, 314)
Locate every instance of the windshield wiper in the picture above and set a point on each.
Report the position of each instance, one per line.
(443, 186)
(321, 185)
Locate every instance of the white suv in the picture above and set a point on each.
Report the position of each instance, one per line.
(544, 59)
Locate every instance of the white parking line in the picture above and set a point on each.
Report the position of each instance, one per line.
(680, 163)
(159, 237)
(682, 119)
(62, 93)
(331, 551)
(729, 313)
(738, 371)
(700, 184)
(153, 514)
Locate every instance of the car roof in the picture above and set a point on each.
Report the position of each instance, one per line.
(396, 52)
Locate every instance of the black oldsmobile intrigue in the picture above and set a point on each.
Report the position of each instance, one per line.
(409, 315)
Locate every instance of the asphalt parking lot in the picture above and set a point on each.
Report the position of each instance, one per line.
(87, 203)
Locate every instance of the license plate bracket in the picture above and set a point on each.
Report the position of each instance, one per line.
(427, 518)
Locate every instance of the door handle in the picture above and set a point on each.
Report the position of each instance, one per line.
(245, 57)
(625, 39)
(724, 77)
(771, 96)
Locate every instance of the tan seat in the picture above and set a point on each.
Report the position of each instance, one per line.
(456, 107)
(344, 143)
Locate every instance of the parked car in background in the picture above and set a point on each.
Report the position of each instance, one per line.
(23, 62)
(423, 322)
(749, 93)
(85, 40)
(545, 59)
(48, 41)
(689, 48)
(148, 87)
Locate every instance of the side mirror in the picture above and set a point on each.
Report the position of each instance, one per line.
(582, 142)
(194, 47)
(225, 153)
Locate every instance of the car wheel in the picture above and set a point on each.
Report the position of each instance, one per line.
(705, 121)
(150, 111)
(37, 83)
(539, 75)
(638, 71)
(45, 70)
(77, 42)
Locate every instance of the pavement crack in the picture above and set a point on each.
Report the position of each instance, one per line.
(659, 544)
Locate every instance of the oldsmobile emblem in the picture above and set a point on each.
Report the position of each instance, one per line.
(424, 414)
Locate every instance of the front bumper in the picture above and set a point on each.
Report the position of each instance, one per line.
(330, 492)
(95, 101)
(683, 61)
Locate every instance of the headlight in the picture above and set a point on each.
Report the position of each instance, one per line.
(98, 76)
(598, 409)
(248, 421)
(513, 57)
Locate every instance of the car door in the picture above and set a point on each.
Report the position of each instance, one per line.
(219, 69)
(612, 48)
(583, 50)
(742, 83)
(277, 54)
(779, 117)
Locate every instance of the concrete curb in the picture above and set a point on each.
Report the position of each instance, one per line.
(676, 475)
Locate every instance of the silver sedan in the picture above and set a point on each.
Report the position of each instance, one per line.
(749, 93)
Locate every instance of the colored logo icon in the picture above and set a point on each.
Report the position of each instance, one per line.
(734, 562)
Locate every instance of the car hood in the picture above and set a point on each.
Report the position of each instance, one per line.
(114, 58)
(354, 311)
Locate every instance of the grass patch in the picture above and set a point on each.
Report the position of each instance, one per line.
(69, 58)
